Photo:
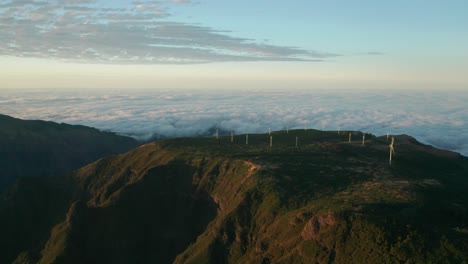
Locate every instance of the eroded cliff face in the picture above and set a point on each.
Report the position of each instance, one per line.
(210, 201)
(317, 225)
(144, 214)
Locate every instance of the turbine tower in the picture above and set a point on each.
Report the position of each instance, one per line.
(247, 139)
(217, 134)
(363, 138)
(349, 139)
(392, 151)
(271, 141)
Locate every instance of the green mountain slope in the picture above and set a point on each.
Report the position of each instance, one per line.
(39, 148)
(208, 200)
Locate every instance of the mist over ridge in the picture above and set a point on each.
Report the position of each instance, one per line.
(436, 118)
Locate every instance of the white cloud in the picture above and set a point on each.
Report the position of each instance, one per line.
(180, 1)
(138, 33)
(142, 114)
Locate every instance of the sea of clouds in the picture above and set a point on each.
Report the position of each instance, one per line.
(439, 118)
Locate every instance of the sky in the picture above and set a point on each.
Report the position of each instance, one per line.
(170, 44)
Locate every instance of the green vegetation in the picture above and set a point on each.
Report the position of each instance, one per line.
(207, 200)
(39, 148)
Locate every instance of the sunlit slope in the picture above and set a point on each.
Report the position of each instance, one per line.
(208, 200)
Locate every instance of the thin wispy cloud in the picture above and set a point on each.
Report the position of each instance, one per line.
(140, 32)
(181, 1)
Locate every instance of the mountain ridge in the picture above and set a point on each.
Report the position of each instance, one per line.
(207, 200)
(35, 148)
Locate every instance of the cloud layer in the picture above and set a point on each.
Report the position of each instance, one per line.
(432, 117)
(138, 32)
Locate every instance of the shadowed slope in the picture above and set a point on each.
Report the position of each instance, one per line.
(39, 148)
(202, 200)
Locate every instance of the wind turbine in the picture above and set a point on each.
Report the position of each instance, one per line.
(392, 151)
(217, 135)
(247, 139)
(287, 129)
(349, 139)
(363, 138)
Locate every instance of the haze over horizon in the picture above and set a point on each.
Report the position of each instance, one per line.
(145, 68)
(436, 118)
(212, 44)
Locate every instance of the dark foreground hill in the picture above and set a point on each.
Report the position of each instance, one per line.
(208, 200)
(39, 148)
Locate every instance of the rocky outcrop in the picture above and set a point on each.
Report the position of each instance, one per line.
(317, 225)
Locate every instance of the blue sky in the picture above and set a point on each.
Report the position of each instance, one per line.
(227, 44)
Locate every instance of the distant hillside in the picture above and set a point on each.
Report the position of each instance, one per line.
(39, 148)
(206, 200)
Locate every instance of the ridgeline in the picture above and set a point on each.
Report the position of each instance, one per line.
(208, 200)
(34, 148)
